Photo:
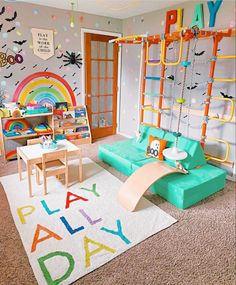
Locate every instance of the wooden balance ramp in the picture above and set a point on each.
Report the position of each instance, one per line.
(140, 181)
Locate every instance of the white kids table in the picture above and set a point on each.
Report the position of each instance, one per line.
(32, 154)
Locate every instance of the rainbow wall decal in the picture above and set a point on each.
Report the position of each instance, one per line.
(11, 155)
(20, 124)
(44, 87)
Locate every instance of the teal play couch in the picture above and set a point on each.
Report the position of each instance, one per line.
(181, 190)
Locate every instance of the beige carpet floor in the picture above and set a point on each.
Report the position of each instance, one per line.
(199, 249)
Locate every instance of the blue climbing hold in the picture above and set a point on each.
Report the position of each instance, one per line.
(185, 63)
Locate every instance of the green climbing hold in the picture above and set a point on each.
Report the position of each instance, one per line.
(180, 101)
(177, 135)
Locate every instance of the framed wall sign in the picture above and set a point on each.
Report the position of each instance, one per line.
(43, 43)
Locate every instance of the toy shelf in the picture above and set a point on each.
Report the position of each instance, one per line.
(4, 138)
(75, 136)
(27, 116)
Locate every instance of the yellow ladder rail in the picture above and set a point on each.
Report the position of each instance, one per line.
(163, 47)
(220, 160)
(231, 115)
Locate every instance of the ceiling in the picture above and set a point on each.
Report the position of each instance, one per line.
(120, 9)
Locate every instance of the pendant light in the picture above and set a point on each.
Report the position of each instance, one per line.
(72, 18)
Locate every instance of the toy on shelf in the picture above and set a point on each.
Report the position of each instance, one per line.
(34, 108)
(17, 128)
(11, 155)
(43, 129)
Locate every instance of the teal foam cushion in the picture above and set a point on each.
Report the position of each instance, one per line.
(146, 131)
(185, 190)
(126, 150)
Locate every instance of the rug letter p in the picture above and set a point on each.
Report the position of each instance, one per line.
(46, 272)
(21, 213)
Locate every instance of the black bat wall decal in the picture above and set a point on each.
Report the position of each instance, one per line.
(1, 27)
(199, 53)
(10, 75)
(10, 30)
(226, 96)
(198, 73)
(13, 18)
(2, 11)
(59, 57)
(191, 87)
(20, 43)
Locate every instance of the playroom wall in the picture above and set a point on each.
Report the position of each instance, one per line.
(65, 39)
(154, 23)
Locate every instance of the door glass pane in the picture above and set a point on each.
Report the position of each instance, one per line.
(110, 86)
(109, 103)
(102, 121)
(94, 68)
(94, 104)
(94, 49)
(102, 68)
(94, 87)
(109, 119)
(102, 87)
(110, 69)
(94, 121)
(102, 47)
(110, 51)
(102, 103)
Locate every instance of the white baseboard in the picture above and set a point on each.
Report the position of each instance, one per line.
(124, 135)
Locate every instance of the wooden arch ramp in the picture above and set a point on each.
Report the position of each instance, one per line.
(140, 181)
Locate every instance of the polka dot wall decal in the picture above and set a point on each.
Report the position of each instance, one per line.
(35, 12)
(31, 46)
(54, 17)
(193, 101)
(23, 52)
(18, 33)
(17, 24)
(9, 9)
(15, 48)
(3, 83)
(232, 24)
(65, 28)
(4, 35)
(81, 19)
(67, 40)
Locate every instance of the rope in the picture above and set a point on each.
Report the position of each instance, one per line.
(182, 94)
(191, 83)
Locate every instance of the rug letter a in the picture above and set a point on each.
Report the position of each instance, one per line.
(38, 240)
(47, 274)
(88, 253)
(68, 201)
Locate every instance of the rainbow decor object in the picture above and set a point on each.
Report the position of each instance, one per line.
(11, 155)
(43, 129)
(45, 88)
(20, 124)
